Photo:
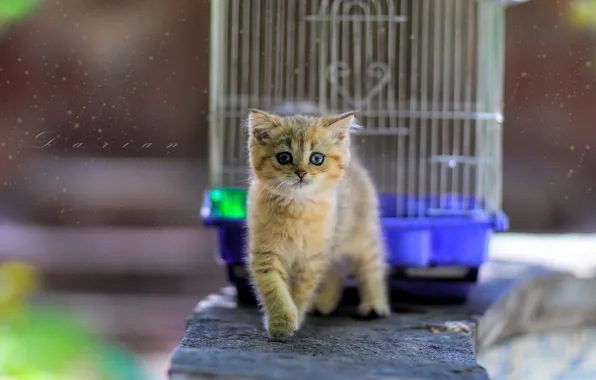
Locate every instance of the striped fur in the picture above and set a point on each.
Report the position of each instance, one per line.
(300, 232)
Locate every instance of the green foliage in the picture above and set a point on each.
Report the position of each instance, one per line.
(583, 14)
(41, 343)
(12, 10)
(47, 345)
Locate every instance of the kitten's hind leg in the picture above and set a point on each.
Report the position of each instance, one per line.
(304, 283)
(331, 290)
(271, 282)
(370, 270)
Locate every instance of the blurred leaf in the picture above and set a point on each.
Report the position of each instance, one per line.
(49, 345)
(583, 14)
(13, 10)
(17, 281)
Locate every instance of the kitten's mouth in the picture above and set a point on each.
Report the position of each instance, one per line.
(302, 182)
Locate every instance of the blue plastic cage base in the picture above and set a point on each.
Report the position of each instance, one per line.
(419, 237)
(433, 288)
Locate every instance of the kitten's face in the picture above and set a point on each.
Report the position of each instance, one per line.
(299, 154)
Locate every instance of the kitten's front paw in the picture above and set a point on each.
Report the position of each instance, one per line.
(283, 326)
(378, 306)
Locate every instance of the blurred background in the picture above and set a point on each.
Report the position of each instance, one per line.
(103, 153)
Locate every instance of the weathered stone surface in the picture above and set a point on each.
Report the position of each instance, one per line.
(543, 328)
(416, 342)
(497, 280)
(204, 363)
(224, 341)
(547, 302)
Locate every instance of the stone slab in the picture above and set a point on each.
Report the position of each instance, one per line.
(227, 341)
(200, 364)
(416, 342)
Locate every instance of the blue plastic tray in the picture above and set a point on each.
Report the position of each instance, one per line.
(420, 237)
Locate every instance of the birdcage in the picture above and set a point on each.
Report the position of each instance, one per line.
(426, 78)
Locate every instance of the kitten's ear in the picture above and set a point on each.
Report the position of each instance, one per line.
(339, 125)
(261, 123)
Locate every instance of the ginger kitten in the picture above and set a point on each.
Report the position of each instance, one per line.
(310, 205)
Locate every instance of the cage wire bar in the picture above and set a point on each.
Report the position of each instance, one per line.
(426, 77)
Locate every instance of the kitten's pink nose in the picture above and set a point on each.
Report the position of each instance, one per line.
(300, 173)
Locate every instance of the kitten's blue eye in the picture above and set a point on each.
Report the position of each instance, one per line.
(284, 158)
(317, 159)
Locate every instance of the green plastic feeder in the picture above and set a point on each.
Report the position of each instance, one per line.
(228, 203)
